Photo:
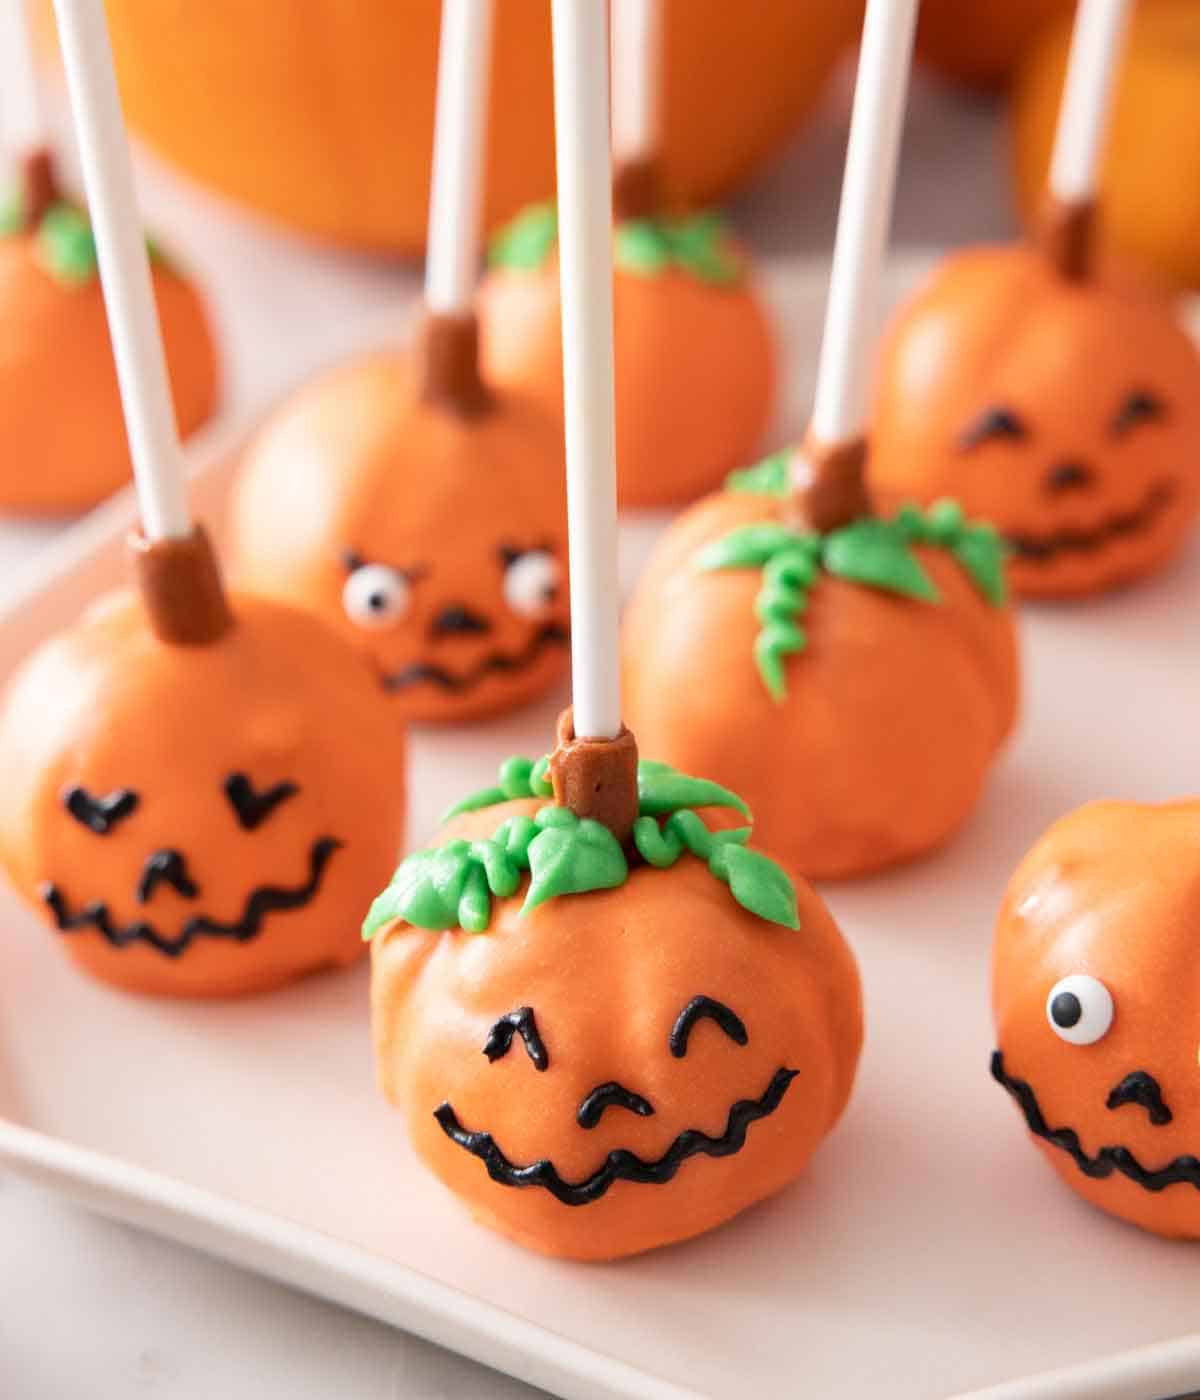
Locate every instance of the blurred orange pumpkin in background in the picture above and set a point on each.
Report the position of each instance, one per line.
(1150, 179)
(320, 112)
(979, 42)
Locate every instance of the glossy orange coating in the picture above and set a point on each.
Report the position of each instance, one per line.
(355, 464)
(293, 106)
(606, 975)
(1111, 891)
(998, 327)
(893, 715)
(980, 42)
(62, 432)
(1149, 181)
(694, 363)
(278, 698)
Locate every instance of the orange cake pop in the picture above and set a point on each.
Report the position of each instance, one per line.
(695, 354)
(200, 791)
(853, 675)
(408, 501)
(1094, 1001)
(608, 1026)
(1052, 395)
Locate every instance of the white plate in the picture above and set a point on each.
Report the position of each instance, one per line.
(927, 1251)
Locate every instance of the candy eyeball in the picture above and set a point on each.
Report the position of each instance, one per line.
(531, 582)
(1079, 1009)
(376, 596)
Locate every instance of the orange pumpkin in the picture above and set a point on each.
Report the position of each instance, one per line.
(202, 820)
(863, 735)
(979, 42)
(1066, 411)
(694, 355)
(1149, 182)
(434, 540)
(62, 432)
(1095, 1007)
(320, 113)
(626, 1056)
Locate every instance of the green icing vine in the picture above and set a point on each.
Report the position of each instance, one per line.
(878, 553)
(453, 885)
(697, 243)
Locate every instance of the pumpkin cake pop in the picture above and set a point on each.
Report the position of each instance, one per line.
(608, 1027)
(1049, 392)
(695, 354)
(199, 790)
(405, 499)
(858, 673)
(1095, 1005)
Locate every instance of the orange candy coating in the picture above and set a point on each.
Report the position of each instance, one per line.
(1112, 892)
(606, 975)
(279, 698)
(356, 468)
(1090, 496)
(893, 714)
(62, 432)
(694, 362)
(980, 42)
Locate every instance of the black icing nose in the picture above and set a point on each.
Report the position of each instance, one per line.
(1069, 476)
(1141, 1088)
(169, 867)
(457, 620)
(610, 1095)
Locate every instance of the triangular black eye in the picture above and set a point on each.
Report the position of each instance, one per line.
(994, 422)
(253, 808)
(1140, 406)
(99, 814)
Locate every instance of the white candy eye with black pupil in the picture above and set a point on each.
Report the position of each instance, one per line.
(1079, 1009)
(531, 582)
(376, 596)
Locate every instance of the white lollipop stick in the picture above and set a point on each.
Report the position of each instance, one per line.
(585, 270)
(1096, 42)
(848, 342)
(124, 270)
(24, 121)
(455, 197)
(637, 28)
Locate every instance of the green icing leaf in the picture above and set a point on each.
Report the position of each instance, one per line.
(573, 858)
(757, 883)
(980, 551)
(695, 243)
(66, 245)
(527, 241)
(661, 789)
(875, 552)
(770, 477)
(475, 802)
(641, 245)
(748, 547)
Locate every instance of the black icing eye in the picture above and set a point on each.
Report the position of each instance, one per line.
(100, 814)
(253, 807)
(995, 422)
(519, 1022)
(1079, 1009)
(1139, 407)
(532, 579)
(699, 1009)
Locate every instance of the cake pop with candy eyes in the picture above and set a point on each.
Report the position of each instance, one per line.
(406, 500)
(695, 353)
(1051, 393)
(193, 796)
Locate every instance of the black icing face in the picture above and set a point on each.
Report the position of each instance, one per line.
(518, 1029)
(154, 876)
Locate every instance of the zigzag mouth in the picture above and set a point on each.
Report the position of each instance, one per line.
(264, 900)
(1178, 1171)
(1045, 549)
(621, 1164)
(504, 663)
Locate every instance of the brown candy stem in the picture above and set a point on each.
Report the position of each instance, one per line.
(1067, 234)
(448, 365)
(637, 189)
(835, 491)
(38, 185)
(596, 778)
(180, 583)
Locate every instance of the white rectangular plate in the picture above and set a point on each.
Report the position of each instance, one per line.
(927, 1251)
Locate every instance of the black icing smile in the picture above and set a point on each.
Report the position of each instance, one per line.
(1045, 549)
(1178, 1171)
(621, 1164)
(498, 662)
(264, 900)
